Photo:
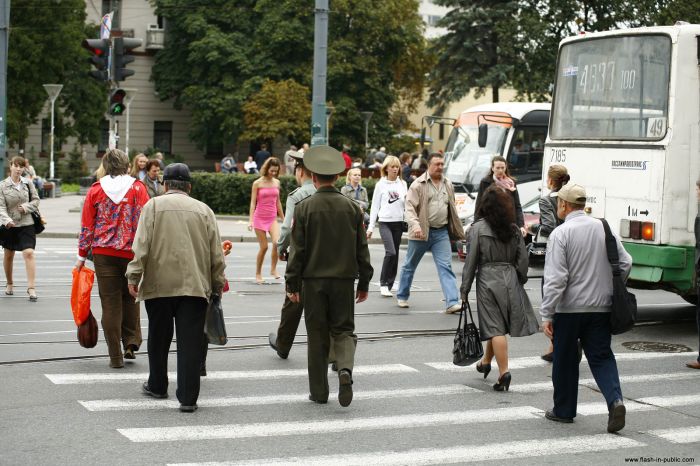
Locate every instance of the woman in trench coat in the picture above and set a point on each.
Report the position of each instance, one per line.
(497, 258)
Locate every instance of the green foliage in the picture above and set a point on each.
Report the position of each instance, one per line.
(278, 109)
(70, 187)
(230, 193)
(70, 170)
(44, 48)
(220, 52)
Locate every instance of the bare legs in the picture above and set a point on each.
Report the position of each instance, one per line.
(29, 261)
(274, 235)
(498, 347)
(7, 261)
(262, 242)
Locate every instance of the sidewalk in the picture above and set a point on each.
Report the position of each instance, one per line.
(62, 215)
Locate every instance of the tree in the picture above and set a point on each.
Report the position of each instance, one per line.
(219, 53)
(278, 109)
(44, 48)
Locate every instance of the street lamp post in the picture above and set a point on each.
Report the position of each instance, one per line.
(329, 112)
(366, 116)
(52, 90)
(127, 101)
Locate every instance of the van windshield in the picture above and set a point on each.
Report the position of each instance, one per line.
(465, 162)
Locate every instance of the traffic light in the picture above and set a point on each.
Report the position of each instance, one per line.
(116, 102)
(99, 48)
(122, 56)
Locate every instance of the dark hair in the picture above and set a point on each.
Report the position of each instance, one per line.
(325, 178)
(405, 157)
(269, 163)
(498, 158)
(184, 186)
(435, 155)
(498, 211)
(151, 163)
(18, 160)
(559, 176)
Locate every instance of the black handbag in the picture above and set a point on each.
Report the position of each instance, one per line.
(216, 327)
(36, 217)
(624, 303)
(467, 345)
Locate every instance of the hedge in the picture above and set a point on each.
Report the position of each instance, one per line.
(230, 193)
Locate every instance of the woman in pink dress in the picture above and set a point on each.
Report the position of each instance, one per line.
(265, 208)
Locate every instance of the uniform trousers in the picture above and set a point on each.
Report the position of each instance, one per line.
(188, 314)
(121, 315)
(593, 330)
(289, 323)
(329, 314)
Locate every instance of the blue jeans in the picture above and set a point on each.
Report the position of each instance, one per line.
(593, 329)
(439, 244)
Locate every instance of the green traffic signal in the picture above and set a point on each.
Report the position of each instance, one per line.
(116, 102)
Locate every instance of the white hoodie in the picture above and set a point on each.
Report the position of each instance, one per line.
(116, 187)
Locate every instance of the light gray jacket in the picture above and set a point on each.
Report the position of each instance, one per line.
(296, 196)
(11, 198)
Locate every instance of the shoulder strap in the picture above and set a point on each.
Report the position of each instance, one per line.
(29, 191)
(611, 248)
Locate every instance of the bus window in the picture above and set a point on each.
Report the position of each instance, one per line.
(525, 157)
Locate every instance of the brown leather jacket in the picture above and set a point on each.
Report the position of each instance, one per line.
(417, 212)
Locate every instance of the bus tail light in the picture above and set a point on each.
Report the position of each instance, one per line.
(648, 231)
(625, 228)
(635, 229)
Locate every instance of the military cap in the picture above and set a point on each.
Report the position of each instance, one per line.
(177, 171)
(572, 193)
(324, 160)
(295, 155)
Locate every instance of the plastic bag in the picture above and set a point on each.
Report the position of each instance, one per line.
(80, 294)
(215, 325)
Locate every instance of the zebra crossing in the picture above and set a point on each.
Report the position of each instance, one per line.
(424, 400)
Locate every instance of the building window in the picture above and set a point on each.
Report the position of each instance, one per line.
(163, 136)
(116, 7)
(160, 20)
(104, 137)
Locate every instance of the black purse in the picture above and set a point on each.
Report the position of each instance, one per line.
(467, 345)
(216, 327)
(624, 303)
(36, 217)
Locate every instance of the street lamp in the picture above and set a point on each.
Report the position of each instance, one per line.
(366, 116)
(127, 101)
(52, 90)
(329, 112)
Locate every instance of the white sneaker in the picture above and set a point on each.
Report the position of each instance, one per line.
(395, 288)
(402, 303)
(384, 291)
(455, 308)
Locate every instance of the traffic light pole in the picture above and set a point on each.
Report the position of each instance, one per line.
(4, 39)
(318, 103)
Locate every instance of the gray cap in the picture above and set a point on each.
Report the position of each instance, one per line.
(324, 160)
(177, 171)
(295, 155)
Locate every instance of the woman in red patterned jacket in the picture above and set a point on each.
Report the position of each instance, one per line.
(110, 216)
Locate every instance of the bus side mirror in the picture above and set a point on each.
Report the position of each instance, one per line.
(483, 134)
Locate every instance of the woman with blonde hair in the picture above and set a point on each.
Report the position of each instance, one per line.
(388, 208)
(353, 188)
(265, 208)
(18, 199)
(138, 167)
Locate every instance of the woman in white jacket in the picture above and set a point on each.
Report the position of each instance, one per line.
(387, 208)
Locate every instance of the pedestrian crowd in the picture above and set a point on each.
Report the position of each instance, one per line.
(139, 227)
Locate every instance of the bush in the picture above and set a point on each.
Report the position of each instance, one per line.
(230, 193)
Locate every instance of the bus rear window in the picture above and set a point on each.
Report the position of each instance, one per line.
(612, 88)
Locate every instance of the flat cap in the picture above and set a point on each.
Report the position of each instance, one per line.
(177, 171)
(572, 193)
(324, 160)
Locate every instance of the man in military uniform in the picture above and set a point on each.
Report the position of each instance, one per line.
(328, 251)
(282, 341)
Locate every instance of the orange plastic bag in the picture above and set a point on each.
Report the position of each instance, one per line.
(80, 294)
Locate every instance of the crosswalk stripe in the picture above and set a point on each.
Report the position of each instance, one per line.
(679, 435)
(642, 404)
(106, 377)
(536, 361)
(273, 429)
(464, 454)
(150, 403)
(543, 386)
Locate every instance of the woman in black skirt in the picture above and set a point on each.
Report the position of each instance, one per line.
(18, 199)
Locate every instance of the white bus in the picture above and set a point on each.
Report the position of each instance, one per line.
(625, 121)
(515, 130)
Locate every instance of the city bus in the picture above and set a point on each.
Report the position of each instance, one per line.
(514, 130)
(625, 121)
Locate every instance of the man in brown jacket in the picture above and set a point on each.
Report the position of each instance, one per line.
(178, 264)
(432, 222)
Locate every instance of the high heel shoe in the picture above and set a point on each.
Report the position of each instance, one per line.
(503, 383)
(8, 289)
(32, 294)
(483, 368)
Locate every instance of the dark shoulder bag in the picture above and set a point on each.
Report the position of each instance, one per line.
(36, 216)
(467, 345)
(624, 303)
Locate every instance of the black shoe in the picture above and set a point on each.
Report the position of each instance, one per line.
(553, 417)
(203, 371)
(272, 339)
(129, 352)
(188, 408)
(483, 368)
(321, 402)
(345, 387)
(616, 417)
(334, 366)
(147, 391)
(503, 383)
(549, 357)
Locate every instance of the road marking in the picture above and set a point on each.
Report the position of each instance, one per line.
(463, 454)
(536, 361)
(150, 403)
(679, 435)
(324, 426)
(542, 386)
(110, 377)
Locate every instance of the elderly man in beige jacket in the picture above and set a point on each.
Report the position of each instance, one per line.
(178, 264)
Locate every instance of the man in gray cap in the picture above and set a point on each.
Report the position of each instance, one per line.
(282, 341)
(576, 306)
(328, 251)
(175, 230)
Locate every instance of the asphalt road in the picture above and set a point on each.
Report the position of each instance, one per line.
(411, 406)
